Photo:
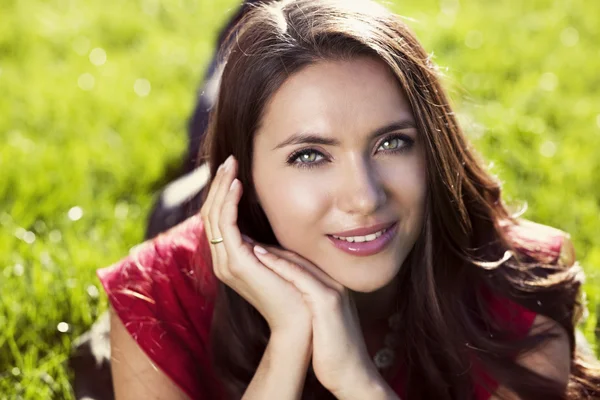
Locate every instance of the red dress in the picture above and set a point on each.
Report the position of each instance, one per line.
(164, 294)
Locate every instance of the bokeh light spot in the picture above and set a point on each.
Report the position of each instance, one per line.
(55, 236)
(569, 36)
(29, 237)
(20, 233)
(121, 210)
(45, 258)
(39, 226)
(86, 81)
(548, 149)
(98, 56)
(92, 291)
(548, 81)
(62, 327)
(75, 213)
(18, 269)
(142, 87)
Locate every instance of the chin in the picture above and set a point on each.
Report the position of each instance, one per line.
(367, 283)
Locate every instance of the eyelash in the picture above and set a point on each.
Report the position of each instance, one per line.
(408, 143)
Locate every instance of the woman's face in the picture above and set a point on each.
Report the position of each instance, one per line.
(337, 151)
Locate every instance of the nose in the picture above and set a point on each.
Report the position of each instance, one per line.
(361, 190)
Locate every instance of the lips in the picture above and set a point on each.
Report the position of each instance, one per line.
(368, 248)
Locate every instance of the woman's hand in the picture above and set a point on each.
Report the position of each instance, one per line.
(340, 358)
(234, 263)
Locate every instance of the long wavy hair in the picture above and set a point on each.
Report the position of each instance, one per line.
(463, 251)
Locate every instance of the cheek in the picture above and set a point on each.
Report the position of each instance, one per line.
(292, 205)
(408, 186)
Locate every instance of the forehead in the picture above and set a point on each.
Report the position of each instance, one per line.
(336, 97)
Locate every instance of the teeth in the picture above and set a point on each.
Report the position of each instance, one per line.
(360, 239)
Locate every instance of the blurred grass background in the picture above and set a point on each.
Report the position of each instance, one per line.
(94, 101)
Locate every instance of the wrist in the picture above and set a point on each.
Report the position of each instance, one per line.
(369, 386)
(380, 390)
(282, 369)
(287, 337)
(292, 343)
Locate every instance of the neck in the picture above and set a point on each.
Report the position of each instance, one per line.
(378, 306)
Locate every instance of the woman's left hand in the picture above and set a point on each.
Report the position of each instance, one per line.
(339, 356)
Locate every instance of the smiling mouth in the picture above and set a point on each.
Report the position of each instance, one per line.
(366, 245)
(365, 238)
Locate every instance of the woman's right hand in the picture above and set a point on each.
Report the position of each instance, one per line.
(235, 264)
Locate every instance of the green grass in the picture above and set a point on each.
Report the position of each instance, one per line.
(76, 134)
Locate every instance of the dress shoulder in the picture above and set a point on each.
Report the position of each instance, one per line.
(538, 244)
(535, 243)
(164, 293)
(541, 243)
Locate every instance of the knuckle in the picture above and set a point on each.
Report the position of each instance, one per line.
(203, 214)
(223, 275)
(227, 277)
(218, 274)
(213, 216)
(281, 262)
(295, 267)
(235, 270)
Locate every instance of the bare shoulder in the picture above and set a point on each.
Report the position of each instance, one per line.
(134, 375)
(552, 359)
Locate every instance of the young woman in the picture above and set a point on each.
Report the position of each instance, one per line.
(351, 244)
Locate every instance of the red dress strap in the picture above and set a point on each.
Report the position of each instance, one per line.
(514, 317)
(537, 243)
(517, 320)
(164, 293)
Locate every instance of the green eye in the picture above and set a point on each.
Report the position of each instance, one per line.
(307, 157)
(391, 143)
(395, 143)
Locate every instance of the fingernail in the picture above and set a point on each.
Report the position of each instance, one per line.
(228, 163)
(260, 250)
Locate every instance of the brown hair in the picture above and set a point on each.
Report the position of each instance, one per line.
(447, 325)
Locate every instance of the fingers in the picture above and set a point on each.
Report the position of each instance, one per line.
(226, 176)
(222, 213)
(307, 265)
(208, 202)
(233, 243)
(315, 291)
(227, 223)
(335, 322)
(211, 210)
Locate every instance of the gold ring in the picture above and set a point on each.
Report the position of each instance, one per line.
(217, 240)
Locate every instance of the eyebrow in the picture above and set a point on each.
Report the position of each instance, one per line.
(311, 138)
